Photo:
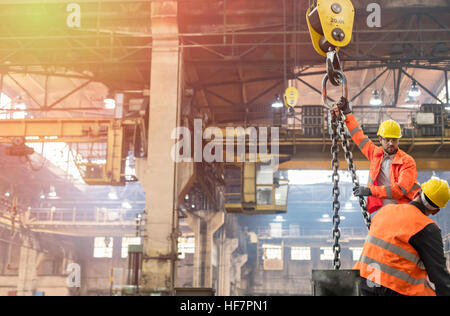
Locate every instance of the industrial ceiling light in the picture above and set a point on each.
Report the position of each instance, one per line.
(279, 218)
(52, 193)
(110, 102)
(127, 205)
(325, 218)
(112, 195)
(376, 100)
(277, 103)
(410, 100)
(415, 91)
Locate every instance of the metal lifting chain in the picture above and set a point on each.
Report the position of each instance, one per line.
(336, 192)
(351, 167)
(338, 131)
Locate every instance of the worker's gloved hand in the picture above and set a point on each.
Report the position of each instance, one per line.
(361, 191)
(344, 106)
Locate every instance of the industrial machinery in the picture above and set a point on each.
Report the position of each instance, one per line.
(433, 120)
(330, 24)
(253, 188)
(101, 146)
(135, 254)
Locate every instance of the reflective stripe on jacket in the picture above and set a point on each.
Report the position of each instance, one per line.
(403, 173)
(388, 258)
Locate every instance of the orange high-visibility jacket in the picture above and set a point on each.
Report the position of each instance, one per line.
(403, 174)
(388, 258)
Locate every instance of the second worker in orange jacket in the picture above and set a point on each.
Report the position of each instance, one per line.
(393, 173)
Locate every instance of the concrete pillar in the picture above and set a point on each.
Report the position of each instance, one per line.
(236, 266)
(194, 223)
(225, 266)
(27, 269)
(204, 225)
(157, 172)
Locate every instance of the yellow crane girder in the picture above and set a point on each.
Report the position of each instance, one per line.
(85, 130)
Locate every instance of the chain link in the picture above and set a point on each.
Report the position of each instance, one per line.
(351, 166)
(339, 132)
(336, 192)
(333, 67)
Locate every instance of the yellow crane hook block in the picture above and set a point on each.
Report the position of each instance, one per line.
(291, 97)
(330, 24)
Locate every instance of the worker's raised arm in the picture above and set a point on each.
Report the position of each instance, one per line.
(363, 142)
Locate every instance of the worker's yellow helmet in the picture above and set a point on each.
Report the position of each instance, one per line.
(437, 191)
(390, 129)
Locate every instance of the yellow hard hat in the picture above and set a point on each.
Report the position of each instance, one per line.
(437, 191)
(390, 129)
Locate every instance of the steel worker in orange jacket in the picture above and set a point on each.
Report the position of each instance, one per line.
(404, 247)
(393, 173)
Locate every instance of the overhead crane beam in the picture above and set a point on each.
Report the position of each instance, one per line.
(299, 152)
(108, 131)
(64, 129)
(322, 162)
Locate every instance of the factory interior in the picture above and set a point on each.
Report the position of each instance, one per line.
(185, 147)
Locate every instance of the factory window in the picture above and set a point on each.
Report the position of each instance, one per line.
(5, 106)
(264, 182)
(276, 230)
(60, 154)
(281, 193)
(12, 108)
(294, 230)
(185, 245)
(300, 253)
(306, 177)
(356, 251)
(272, 252)
(47, 267)
(264, 195)
(126, 241)
(327, 253)
(103, 247)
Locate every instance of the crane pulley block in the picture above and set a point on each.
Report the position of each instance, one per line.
(291, 97)
(330, 24)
